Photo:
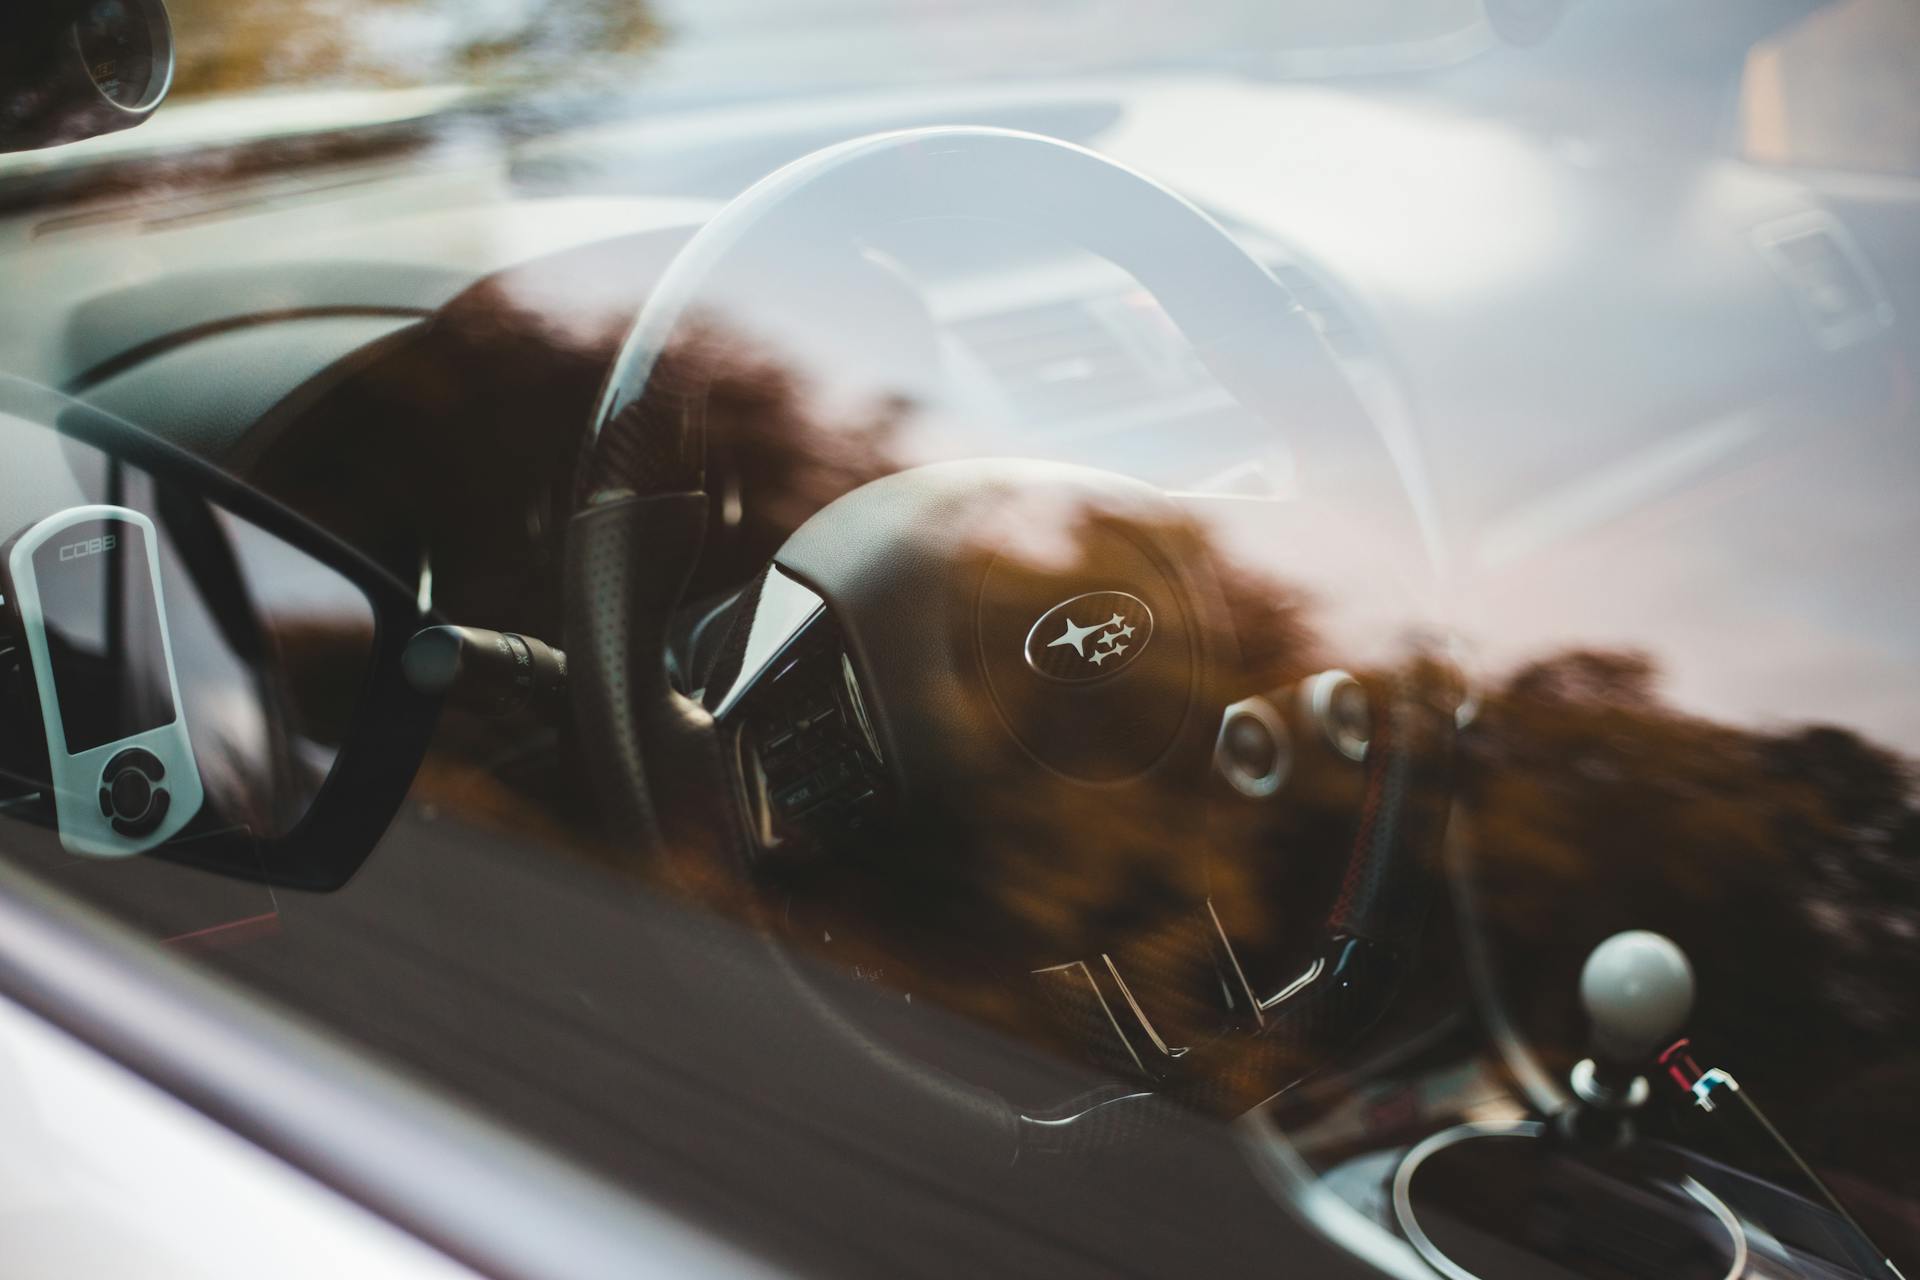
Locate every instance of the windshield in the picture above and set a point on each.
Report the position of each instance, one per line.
(308, 67)
(734, 47)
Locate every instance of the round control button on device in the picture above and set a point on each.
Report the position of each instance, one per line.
(156, 813)
(135, 758)
(132, 793)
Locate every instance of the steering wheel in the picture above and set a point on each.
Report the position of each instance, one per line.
(939, 631)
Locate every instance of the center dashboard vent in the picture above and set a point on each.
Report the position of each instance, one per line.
(1830, 278)
(1086, 356)
(1342, 335)
(1082, 357)
(1090, 368)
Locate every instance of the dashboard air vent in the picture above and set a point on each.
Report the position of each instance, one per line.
(1074, 359)
(1327, 315)
(1829, 277)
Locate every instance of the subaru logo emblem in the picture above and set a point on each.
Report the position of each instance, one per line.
(1090, 636)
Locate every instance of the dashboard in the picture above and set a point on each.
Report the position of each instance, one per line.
(1440, 252)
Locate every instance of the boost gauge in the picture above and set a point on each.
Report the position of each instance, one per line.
(126, 49)
(73, 69)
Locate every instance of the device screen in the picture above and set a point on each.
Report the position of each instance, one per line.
(103, 633)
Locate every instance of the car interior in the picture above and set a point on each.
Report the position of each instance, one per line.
(1182, 662)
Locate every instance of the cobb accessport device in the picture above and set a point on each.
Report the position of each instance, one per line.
(85, 586)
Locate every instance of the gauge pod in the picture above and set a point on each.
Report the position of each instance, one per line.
(81, 68)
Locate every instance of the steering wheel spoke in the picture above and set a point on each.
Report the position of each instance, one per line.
(792, 716)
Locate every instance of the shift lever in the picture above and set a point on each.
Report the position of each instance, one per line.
(1578, 1196)
(1637, 988)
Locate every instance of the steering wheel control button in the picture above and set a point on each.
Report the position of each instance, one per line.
(811, 777)
(829, 780)
(1253, 753)
(1090, 636)
(106, 802)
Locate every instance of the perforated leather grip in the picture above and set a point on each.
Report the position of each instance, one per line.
(1384, 893)
(627, 565)
(656, 758)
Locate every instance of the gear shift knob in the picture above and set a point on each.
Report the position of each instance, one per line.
(1637, 987)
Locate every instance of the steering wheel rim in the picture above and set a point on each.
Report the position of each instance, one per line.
(648, 439)
(642, 515)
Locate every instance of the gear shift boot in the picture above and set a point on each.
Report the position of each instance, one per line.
(1503, 1202)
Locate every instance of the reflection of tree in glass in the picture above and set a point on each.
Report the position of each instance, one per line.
(1786, 862)
(279, 44)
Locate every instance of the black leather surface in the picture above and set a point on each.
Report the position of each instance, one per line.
(627, 563)
(1391, 875)
(934, 576)
(205, 396)
(657, 763)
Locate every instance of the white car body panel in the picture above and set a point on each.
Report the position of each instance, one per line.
(103, 1174)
